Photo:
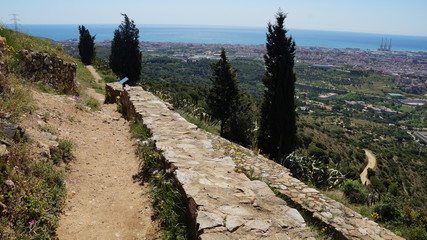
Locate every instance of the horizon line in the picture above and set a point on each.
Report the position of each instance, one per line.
(221, 26)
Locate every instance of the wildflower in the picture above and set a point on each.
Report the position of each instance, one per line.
(76, 98)
(145, 142)
(155, 172)
(157, 176)
(137, 140)
(375, 215)
(32, 223)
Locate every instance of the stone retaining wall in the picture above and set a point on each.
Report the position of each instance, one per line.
(227, 205)
(50, 70)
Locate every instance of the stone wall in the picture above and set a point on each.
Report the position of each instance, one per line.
(49, 70)
(225, 203)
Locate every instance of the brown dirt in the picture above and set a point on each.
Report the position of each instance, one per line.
(372, 161)
(103, 201)
(94, 73)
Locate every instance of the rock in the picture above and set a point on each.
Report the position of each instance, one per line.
(262, 225)
(3, 150)
(235, 210)
(293, 213)
(214, 236)
(233, 222)
(10, 130)
(208, 220)
(49, 136)
(10, 183)
(113, 91)
(48, 69)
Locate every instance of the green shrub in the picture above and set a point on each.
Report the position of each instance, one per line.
(313, 171)
(32, 198)
(388, 211)
(94, 104)
(110, 79)
(63, 152)
(416, 233)
(48, 129)
(355, 191)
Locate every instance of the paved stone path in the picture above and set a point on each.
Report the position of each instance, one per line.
(225, 204)
(348, 223)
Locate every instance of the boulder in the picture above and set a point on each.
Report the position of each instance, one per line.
(10, 130)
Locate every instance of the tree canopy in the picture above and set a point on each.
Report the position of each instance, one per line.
(277, 132)
(125, 58)
(86, 46)
(224, 92)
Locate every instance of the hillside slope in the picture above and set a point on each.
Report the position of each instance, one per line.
(76, 157)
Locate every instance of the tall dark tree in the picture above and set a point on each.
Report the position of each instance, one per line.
(277, 131)
(86, 46)
(224, 93)
(242, 120)
(125, 58)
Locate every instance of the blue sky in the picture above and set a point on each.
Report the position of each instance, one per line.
(405, 17)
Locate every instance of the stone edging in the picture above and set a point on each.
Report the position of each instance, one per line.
(225, 203)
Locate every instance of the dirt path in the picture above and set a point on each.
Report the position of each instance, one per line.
(372, 161)
(94, 73)
(103, 201)
(98, 79)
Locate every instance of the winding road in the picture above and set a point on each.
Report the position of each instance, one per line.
(372, 161)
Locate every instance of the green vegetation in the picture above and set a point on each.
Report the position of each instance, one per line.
(32, 189)
(17, 41)
(32, 193)
(277, 130)
(14, 104)
(125, 57)
(223, 94)
(93, 104)
(86, 46)
(331, 134)
(48, 129)
(169, 202)
(227, 105)
(63, 152)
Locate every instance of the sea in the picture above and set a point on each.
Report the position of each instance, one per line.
(231, 35)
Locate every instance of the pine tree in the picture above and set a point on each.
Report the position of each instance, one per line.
(224, 92)
(86, 46)
(277, 132)
(125, 58)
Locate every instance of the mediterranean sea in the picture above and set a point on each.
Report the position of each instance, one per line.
(230, 35)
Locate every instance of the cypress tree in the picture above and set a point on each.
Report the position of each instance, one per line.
(125, 58)
(277, 131)
(224, 93)
(86, 46)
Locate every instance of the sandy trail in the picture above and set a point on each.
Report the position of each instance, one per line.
(372, 161)
(94, 73)
(103, 201)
